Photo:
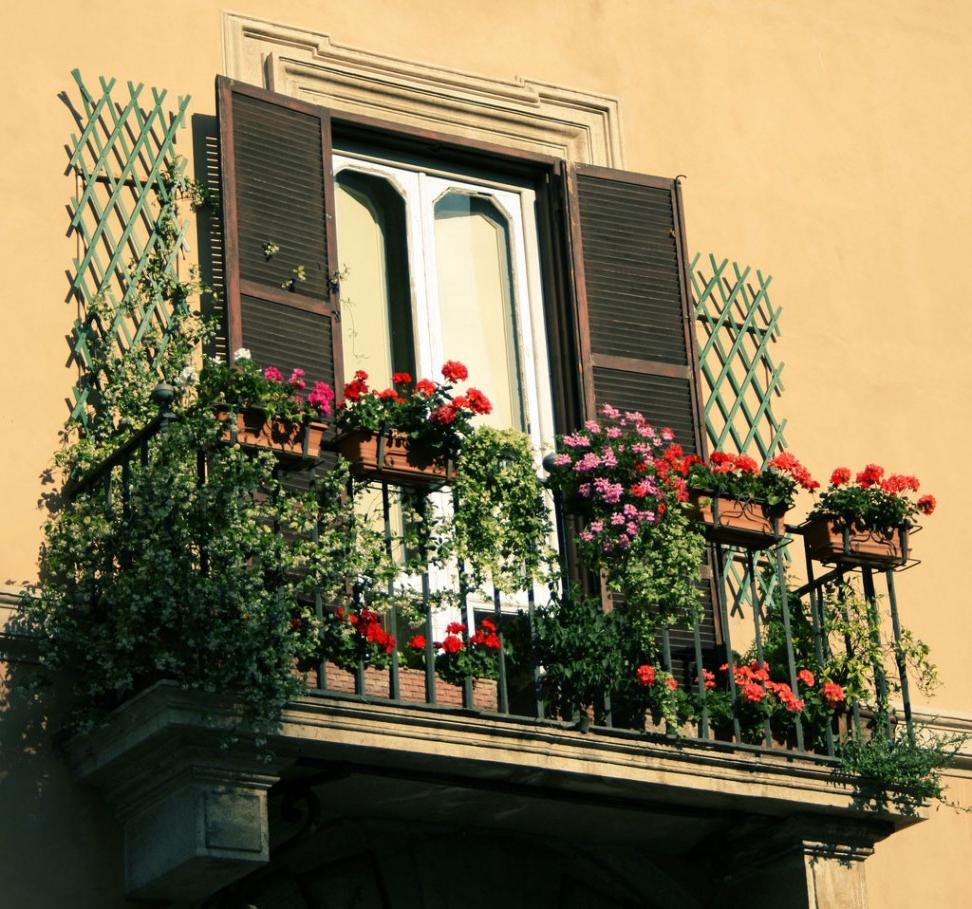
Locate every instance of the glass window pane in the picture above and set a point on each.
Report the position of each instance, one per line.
(376, 305)
(478, 323)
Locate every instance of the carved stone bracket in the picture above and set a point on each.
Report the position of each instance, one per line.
(535, 116)
(193, 813)
(803, 862)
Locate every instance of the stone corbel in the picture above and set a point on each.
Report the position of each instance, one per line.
(801, 863)
(193, 814)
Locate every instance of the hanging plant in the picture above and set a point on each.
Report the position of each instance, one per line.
(501, 526)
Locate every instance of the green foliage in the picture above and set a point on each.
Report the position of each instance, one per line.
(501, 527)
(896, 768)
(660, 573)
(580, 648)
(210, 584)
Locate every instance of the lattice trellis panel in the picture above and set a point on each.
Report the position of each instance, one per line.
(736, 325)
(123, 216)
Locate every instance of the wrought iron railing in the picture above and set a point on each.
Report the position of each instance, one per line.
(399, 684)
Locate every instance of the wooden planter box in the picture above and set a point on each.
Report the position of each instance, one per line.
(393, 457)
(411, 687)
(283, 437)
(736, 523)
(861, 547)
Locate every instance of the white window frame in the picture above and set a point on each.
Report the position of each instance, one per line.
(421, 184)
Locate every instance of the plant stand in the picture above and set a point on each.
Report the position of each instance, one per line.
(391, 456)
(856, 546)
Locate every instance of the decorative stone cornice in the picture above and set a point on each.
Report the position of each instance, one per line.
(521, 113)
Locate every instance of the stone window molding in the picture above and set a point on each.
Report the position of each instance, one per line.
(533, 116)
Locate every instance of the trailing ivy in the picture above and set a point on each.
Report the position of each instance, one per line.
(501, 528)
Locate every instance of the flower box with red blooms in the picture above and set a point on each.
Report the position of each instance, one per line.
(263, 409)
(868, 521)
(763, 702)
(460, 655)
(740, 504)
(410, 432)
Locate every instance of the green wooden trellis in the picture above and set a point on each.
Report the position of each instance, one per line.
(736, 325)
(119, 158)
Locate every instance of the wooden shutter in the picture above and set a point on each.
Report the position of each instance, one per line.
(635, 337)
(634, 328)
(277, 188)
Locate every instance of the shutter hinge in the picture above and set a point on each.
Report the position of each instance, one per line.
(334, 282)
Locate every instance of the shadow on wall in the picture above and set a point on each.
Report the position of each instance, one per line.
(60, 842)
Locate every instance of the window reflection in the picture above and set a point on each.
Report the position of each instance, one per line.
(376, 305)
(475, 282)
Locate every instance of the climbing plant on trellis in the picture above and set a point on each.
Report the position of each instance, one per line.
(126, 223)
(736, 325)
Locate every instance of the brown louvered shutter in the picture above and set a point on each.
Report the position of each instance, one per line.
(277, 188)
(635, 337)
(631, 281)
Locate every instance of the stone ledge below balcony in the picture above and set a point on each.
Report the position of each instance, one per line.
(197, 815)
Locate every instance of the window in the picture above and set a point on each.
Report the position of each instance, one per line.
(562, 286)
(438, 266)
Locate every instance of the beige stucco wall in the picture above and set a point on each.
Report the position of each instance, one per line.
(827, 143)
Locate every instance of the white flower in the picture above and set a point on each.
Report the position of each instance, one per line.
(188, 376)
(241, 354)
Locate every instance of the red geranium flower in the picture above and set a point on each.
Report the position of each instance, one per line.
(646, 675)
(452, 644)
(870, 475)
(401, 378)
(425, 387)
(478, 402)
(454, 371)
(833, 693)
(840, 476)
(926, 504)
(417, 642)
(444, 415)
(806, 676)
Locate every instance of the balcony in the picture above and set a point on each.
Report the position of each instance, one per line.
(674, 763)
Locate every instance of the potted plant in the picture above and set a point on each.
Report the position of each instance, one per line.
(410, 432)
(261, 408)
(739, 503)
(613, 474)
(867, 521)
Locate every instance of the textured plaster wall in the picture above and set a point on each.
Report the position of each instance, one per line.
(827, 143)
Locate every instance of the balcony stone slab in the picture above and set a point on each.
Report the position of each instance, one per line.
(200, 807)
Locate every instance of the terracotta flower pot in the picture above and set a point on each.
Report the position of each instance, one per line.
(870, 548)
(284, 437)
(395, 458)
(736, 523)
